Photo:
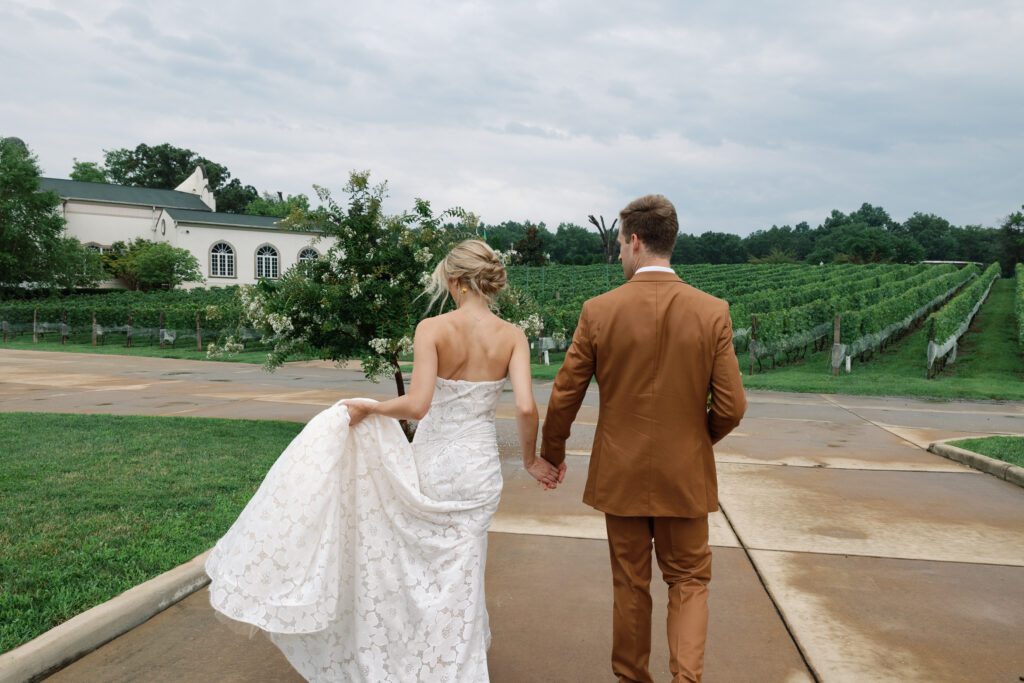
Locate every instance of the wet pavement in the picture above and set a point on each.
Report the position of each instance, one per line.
(841, 541)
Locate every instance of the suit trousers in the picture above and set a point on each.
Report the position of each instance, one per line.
(681, 547)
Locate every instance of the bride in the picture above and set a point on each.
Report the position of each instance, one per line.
(361, 555)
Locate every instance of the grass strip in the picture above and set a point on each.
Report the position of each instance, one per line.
(1006, 448)
(91, 505)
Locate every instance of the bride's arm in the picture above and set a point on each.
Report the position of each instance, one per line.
(414, 405)
(526, 414)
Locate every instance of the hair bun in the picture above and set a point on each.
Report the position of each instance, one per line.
(474, 264)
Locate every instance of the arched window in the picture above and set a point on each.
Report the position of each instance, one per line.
(267, 262)
(222, 260)
(308, 254)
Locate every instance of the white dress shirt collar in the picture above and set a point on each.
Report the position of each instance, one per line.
(660, 269)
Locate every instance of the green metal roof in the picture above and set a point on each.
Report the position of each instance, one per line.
(123, 194)
(232, 219)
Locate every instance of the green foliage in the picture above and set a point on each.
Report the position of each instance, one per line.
(160, 166)
(166, 166)
(73, 265)
(933, 233)
(876, 309)
(575, 245)
(88, 172)
(721, 247)
(361, 299)
(988, 364)
(1011, 238)
(794, 304)
(943, 323)
(278, 207)
(776, 255)
(867, 235)
(234, 197)
(146, 265)
(1018, 306)
(217, 308)
(503, 236)
(529, 251)
(33, 248)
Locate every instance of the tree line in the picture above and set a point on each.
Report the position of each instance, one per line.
(867, 235)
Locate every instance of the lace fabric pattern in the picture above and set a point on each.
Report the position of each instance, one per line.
(363, 555)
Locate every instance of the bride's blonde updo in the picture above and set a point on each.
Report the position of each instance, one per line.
(474, 265)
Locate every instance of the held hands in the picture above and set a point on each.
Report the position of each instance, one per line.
(547, 475)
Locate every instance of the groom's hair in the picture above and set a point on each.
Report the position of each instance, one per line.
(652, 218)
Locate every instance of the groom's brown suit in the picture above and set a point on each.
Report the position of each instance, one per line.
(657, 347)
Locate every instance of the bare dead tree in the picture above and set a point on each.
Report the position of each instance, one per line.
(609, 238)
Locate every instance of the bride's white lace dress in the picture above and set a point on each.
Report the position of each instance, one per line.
(363, 555)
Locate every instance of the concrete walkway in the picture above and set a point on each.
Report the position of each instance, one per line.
(842, 543)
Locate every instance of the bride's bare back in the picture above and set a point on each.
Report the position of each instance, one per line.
(473, 346)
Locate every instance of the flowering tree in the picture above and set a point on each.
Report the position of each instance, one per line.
(360, 300)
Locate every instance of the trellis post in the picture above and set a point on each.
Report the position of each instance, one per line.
(750, 344)
(835, 341)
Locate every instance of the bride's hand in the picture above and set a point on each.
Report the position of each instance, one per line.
(357, 410)
(544, 472)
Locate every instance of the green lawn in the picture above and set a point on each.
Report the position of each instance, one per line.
(91, 505)
(1007, 448)
(184, 349)
(989, 364)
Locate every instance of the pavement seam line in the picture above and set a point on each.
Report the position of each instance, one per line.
(837, 553)
(851, 411)
(771, 598)
(833, 468)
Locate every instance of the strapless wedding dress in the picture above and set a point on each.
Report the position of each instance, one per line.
(362, 555)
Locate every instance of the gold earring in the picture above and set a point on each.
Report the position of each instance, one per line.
(464, 290)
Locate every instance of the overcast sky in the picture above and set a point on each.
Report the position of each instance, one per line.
(744, 114)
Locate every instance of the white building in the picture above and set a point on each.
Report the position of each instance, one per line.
(231, 248)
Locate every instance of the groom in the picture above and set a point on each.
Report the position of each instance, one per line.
(657, 347)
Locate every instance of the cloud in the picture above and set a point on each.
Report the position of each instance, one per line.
(745, 115)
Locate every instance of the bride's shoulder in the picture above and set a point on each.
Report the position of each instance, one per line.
(434, 321)
(511, 330)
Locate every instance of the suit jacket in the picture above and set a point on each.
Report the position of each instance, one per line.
(657, 346)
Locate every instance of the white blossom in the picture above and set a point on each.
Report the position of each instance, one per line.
(279, 323)
(423, 255)
(506, 257)
(532, 326)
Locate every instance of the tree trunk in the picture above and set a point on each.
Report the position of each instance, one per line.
(400, 386)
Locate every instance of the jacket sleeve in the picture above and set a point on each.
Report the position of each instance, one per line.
(728, 400)
(567, 394)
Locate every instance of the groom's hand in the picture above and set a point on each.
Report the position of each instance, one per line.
(544, 472)
(561, 472)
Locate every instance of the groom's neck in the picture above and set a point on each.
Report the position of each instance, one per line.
(652, 260)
